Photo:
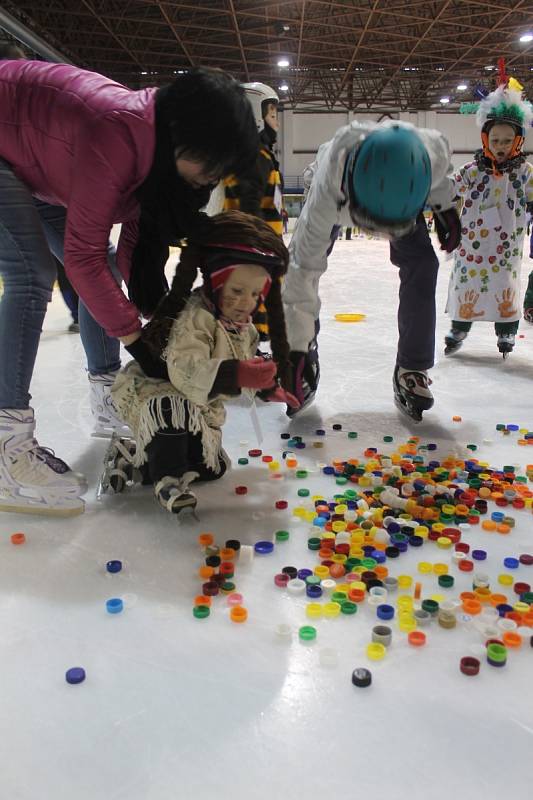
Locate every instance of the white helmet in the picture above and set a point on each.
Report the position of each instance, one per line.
(259, 93)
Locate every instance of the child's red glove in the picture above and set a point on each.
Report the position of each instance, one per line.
(256, 373)
(280, 395)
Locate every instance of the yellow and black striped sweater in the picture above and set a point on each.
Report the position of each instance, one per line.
(256, 193)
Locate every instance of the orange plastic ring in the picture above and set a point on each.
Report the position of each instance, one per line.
(239, 614)
(512, 639)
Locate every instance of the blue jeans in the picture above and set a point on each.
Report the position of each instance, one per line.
(27, 235)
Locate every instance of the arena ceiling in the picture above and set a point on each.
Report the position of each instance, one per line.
(352, 54)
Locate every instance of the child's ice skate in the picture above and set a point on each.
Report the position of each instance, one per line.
(411, 392)
(454, 340)
(528, 315)
(106, 418)
(119, 471)
(174, 493)
(505, 343)
(32, 479)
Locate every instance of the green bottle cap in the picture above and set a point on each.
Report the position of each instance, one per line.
(201, 612)
(282, 536)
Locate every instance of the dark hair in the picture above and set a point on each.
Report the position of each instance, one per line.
(210, 119)
(230, 227)
(205, 115)
(11, 51)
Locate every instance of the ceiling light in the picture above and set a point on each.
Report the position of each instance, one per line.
(489, 68)
(462, 87)
(444, 100)
(283, 62)
(283, 87)
(526, 37)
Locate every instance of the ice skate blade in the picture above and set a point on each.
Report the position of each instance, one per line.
(414, 414)
(450, 350)
(112, 433)
(15, 508)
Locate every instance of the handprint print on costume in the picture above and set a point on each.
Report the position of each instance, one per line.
(467, 305)
(506, 304)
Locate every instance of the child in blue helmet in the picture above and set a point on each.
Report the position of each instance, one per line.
(378, 176)
(496, 189)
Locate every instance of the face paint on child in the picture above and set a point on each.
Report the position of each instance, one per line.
(241, 292)
(501, 139)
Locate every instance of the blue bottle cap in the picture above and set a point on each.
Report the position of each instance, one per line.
(113, 566)
(479, 555)
(114, 605)
(511, 563)
(385, 611)
(328, 471)
(320, 432)
(75, 675)
(263, 548)
(304, 573)
(300, 445)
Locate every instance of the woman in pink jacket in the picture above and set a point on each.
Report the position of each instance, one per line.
(146, 159)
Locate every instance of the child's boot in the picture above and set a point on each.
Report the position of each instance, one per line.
(505, 343)
(453, 341)
(174, 493)
(32, 479)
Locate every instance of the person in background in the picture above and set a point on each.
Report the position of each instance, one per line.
(496, 189)
(259, 190)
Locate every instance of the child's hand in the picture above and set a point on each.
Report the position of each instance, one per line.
(256, 373)
(280, 395)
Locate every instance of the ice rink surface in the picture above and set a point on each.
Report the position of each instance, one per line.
(175, 708)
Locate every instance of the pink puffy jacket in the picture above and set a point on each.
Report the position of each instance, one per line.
(79, 140)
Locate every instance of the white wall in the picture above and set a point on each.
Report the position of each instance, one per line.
(305, 132)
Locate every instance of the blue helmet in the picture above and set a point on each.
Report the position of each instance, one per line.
(388, 178)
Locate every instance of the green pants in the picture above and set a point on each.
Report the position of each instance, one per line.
(528, 297)
(499, 327)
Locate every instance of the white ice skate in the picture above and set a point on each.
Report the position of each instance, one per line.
(107, 420)
(32, 479)
(174, 493)
(119, 471)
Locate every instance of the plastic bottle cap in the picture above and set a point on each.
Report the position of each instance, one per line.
(238, 614)
(376, 651)
(75, 675)
(201, 611)
(469, 665)
(113, 566)
(114, 605)
(361, 677)
(18, 538)
(307, 633)
(241, 490)
(263, 548)
(416, 638)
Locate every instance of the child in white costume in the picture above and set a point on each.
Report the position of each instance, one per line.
(496, 189)
(209, 344)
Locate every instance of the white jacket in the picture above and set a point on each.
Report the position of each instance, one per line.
(326, 206)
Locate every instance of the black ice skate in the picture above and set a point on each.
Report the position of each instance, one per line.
(306, 375)
(174, 493)
(119, 471)
(411, 392)
(528, 315)
(453, 341)
(505, 343)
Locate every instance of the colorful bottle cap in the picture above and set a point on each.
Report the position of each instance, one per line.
(114, 605)
(416, 638)
(75, 675)
(238, 614)
(201, 611)
(18, 538)
(307, 633)
(375, 651)
(263, 548)
(469, 665)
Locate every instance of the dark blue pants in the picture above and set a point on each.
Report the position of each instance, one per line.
(418, 265)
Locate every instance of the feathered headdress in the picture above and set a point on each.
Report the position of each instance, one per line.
(505, 104)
